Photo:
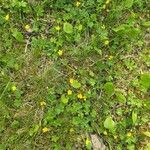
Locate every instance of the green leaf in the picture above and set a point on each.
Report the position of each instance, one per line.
(109, 88)
(68, 28)
(134, 117)
(75, 84)
(128, 3)
(147, 133)
(109, 123)
(120, 97)
(64, 99)
(146, 24)
(145, 80)
(17, 35)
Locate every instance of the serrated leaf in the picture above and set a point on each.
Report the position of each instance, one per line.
(75, 84)
(68, 28)
(147, 133)
(109, 123)
(109, 88)
(134, 117)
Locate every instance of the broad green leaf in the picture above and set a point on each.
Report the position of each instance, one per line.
(68, 28)
(128, 3)
(109, 123)
(75, 84)
(17, 35)
(147, 133)
(109, 88)
(64, 99)
(145, 80)
(134, 117)
(120, 97)
(146, 24)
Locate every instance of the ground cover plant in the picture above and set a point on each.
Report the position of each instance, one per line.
(71, 68)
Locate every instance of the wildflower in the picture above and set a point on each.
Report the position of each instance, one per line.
(42, 103)
(45, 129)
(57, 28)
(13, 88)
(105, 132)
(27, 27)
(80, 96)
(129, 134)
(106, 42)
(87, 142)
(78, 3)
(71, 80)
(7, 17)
(110, 57)
(60, 52)
(107, 1)
(145, 105)
(69, 92)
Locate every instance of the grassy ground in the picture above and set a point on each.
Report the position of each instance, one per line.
(70, 68)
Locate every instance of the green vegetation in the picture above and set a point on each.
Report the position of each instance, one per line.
(70, 68)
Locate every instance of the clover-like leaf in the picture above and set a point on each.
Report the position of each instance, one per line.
(76, 84)
(109, 123)
(68, 28)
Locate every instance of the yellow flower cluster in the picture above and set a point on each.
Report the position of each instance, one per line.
(45, 129)
(80, 96)
(78, 3)
(60, 52)
(106, 3)
(42, 103)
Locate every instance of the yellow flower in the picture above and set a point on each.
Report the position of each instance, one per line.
(129, 134)
(107, 1)
(69, 92)
(87, 142)
(42, 103)
(145, 105)
(7, 17)
(45, 129)
(27, 27)
(57, 28)
(105, 132)
(60, 52)
(13, 88)
(78, 3)
(110, 57)
(80, 96)
(106, 42)
(104, 6)
(71, 80)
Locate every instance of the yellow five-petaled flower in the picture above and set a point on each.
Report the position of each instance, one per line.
(69, 92)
